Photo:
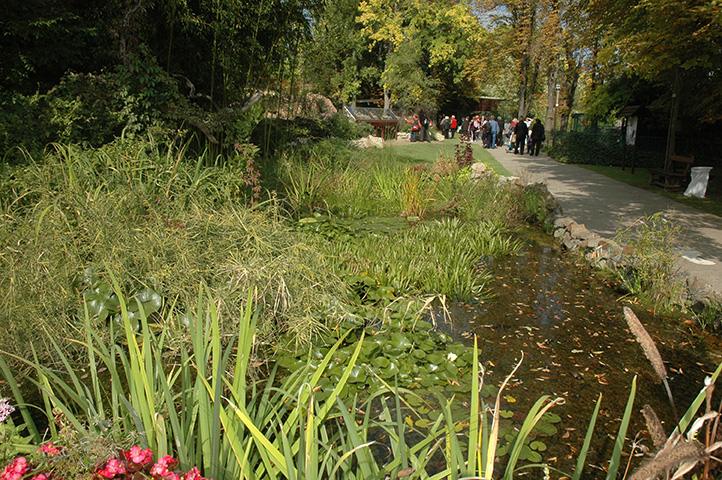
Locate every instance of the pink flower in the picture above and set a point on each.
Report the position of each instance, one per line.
(163, 466)
(41, 476)
(139, 456)
(16, 470)
(194, 474)
(49, 448)
(112, 468)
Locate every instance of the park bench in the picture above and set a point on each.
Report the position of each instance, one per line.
(674, 175)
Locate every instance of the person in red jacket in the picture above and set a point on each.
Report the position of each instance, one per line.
(453, 125)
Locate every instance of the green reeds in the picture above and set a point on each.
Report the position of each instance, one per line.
(440, 257)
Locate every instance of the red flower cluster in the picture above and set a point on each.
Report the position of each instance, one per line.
(16, 470)
(139, 461)
(20, 468)
(128, 465)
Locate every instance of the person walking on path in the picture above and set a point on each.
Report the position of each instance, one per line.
(521, 131)
(415, 126)
(453, 125)
(537, 137)
(494, 132)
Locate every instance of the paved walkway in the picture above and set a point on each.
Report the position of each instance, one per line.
(605, 205)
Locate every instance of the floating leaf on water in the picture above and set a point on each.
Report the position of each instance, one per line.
(435, 358)
(380, 362)
(509, 399)
(419, 354)
(529, 454)
(506, 413)
(551, 417)
(546, 429)
(401, 341)
(422, 423)
(357, 375)
(538, 446)
(390, 371)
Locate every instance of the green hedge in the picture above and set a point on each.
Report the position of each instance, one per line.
(599, 149)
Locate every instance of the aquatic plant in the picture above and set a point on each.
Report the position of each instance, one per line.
(681, 452)
(648, 266)
(160, 220)
(417, 191)
(434, 258)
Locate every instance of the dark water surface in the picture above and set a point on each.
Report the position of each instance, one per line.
(571, 328)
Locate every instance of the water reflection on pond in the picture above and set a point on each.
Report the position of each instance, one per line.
(571, 328)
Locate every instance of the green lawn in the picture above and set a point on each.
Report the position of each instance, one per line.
(430, 153)
(712, 203)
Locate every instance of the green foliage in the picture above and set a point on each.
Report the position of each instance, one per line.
(24, 125)
(432, 258)
(163, 222)
(710, 316)
(583, 148)
(648, 261)
(417, 190)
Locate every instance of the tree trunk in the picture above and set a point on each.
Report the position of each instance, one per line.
(674, 113)
(523, 108)
(552, 79)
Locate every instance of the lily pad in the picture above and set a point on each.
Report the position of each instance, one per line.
(538, 446)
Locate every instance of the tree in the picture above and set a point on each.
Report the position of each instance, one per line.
(673, 42)
(424, 46)
(43, 39)
(527, 33)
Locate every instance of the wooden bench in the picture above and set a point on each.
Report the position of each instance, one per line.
(675, 174)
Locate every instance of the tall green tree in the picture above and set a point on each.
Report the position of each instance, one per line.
(41, 40)
(424, 47)
(526, 35)
(677, 43)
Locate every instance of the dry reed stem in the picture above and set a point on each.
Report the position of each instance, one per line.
(650, 350)
(669, 458)
(656, 431)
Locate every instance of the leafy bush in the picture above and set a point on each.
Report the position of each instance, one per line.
(24, 126)
(586, 148)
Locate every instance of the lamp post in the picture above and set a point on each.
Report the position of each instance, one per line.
(556, 105)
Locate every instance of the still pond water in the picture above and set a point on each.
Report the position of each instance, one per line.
(571, 327)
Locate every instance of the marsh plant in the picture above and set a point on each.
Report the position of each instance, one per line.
(651, 248)
(694, 442)
(440, 257)
(162, 222)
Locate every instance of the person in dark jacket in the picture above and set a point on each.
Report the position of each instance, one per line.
(537, 137)
(521, 131)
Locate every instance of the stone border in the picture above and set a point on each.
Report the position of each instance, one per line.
(604, 253)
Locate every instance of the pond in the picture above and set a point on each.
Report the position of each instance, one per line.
(570, 326)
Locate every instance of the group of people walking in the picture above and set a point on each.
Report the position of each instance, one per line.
(420, 128)
(529, 133)
(491, 132)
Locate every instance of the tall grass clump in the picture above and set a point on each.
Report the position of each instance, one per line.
(163, 223)
(439, 257)
(648, 267)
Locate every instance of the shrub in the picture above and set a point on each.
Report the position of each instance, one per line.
(648, 266)
(586, 148)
